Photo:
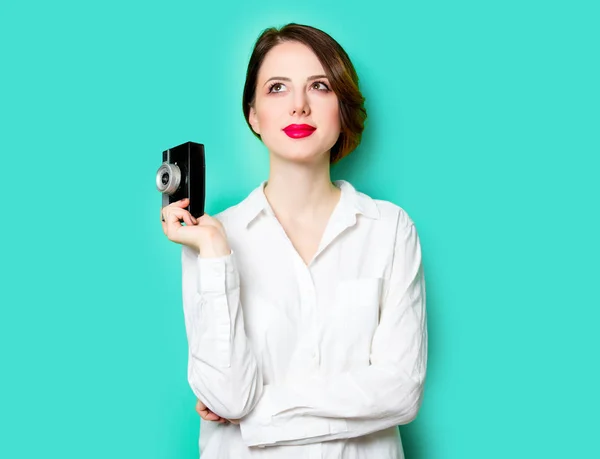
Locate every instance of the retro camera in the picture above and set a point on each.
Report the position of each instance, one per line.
(182, 175)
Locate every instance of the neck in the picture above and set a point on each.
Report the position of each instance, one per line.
(301, 192)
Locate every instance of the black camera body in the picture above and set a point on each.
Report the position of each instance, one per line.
(182, 174)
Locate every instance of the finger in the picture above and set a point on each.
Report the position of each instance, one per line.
(175, 215)
(164, 211)
(193, 219)
(205, 413)
(164, 218)
(181, 203)
(200, 406)
(209, 416)
(188, 219)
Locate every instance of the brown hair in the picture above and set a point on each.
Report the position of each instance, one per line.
(338, 68)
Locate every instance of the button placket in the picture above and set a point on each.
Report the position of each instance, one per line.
(309, 306)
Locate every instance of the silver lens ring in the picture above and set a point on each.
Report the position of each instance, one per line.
(173, 173)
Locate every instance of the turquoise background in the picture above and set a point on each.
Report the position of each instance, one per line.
(483, 124)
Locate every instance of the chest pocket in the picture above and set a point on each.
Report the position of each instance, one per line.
(356, 313)
(359, 299)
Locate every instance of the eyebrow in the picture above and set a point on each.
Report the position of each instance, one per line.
(310, 78)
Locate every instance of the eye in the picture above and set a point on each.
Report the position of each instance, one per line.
(275, 85)
(325, 88)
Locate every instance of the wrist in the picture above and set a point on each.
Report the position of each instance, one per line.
(214, 249)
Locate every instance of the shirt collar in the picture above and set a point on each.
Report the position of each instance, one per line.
(351, 203)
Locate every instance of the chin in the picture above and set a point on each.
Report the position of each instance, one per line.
(299, 156)
(299, 151)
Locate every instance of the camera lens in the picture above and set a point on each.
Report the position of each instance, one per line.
(168, 178)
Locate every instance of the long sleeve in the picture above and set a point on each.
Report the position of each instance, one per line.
(386, 393)
(222, 369)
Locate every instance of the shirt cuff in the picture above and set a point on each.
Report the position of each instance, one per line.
(268, 423)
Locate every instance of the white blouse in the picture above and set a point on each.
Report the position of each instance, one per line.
(323, 360)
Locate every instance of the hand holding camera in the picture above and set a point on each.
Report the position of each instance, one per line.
(181, 180)
(205, 234)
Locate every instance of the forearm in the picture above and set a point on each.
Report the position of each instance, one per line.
(322, 408)
(222, 369)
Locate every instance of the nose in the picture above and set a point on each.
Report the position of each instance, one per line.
(300, 104)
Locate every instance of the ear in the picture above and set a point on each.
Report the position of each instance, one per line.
(253, 119)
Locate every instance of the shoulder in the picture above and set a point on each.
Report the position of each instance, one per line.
(397, 236)
(398, 223)
(391, 231)
(393, 212)
(386, 211)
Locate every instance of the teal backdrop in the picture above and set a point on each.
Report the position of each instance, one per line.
(483, 125)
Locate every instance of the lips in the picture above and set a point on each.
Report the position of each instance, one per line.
(297, 131)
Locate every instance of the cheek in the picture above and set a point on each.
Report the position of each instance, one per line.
(269, 116)
(335, 117)
(332, 117)
(328, 110)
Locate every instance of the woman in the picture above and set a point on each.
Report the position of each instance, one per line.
(304, 304)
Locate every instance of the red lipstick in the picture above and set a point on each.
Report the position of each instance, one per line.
(297, 131)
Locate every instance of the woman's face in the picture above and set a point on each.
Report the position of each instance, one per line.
(292, 89)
